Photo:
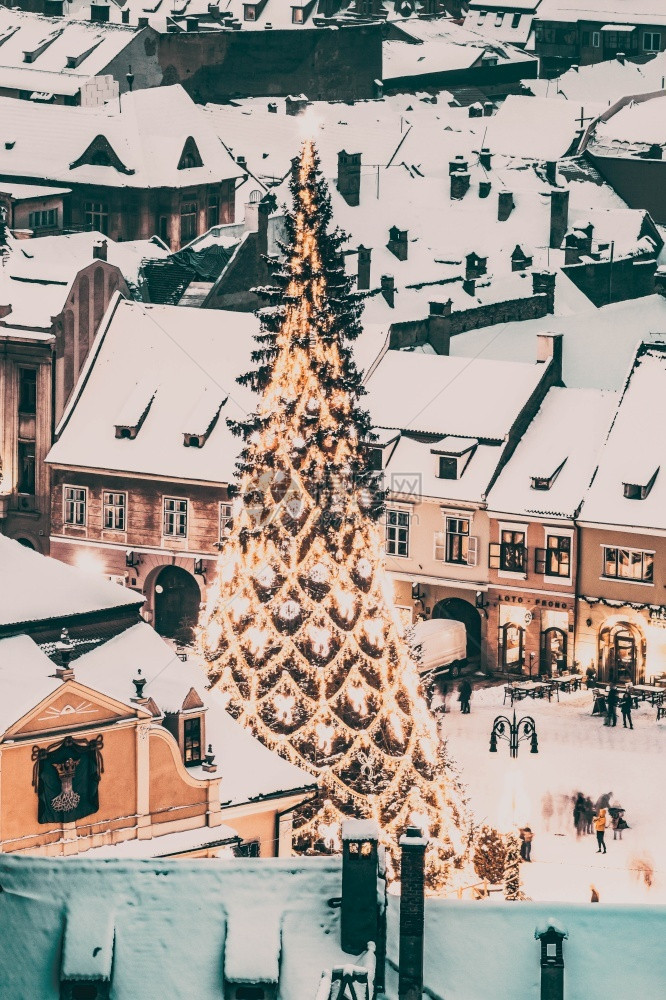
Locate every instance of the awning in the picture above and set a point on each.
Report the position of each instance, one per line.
(619, 27)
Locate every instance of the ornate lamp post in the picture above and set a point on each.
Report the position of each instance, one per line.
(514, 732)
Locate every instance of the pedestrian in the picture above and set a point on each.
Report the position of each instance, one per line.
(626, 705)
(526, 837)
(611, 707)
(464, 696)
(588, 815)
(618, 823)
(579, 814)
(600, 825)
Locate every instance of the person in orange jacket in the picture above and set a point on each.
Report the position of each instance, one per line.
(600, 824)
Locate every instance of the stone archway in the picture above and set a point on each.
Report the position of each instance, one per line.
(176, 602)
(621, 653)
(462, 611)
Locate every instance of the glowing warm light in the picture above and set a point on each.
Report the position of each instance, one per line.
(284, 707)
(358, 700)
(88, 563)
(330, 834)
(325, 736)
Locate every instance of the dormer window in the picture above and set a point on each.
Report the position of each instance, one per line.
(190, 157)
(452, 456)
(546, 482)
(202, 418)
(375, 459)
(135, 410)
(249, 12)
(187, 726)
(297, 15)
(636, 491)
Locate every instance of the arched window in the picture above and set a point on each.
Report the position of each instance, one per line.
(512, 642)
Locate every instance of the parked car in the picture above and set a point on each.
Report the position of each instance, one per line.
(439, 646)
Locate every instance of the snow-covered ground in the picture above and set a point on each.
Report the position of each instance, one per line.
(576, 753)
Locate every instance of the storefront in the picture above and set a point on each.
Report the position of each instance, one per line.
(621, 642)
(533, 632)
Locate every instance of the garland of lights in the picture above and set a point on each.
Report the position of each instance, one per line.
(300, 629)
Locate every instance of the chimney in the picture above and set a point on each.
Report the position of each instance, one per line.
(439, 326)
(412, 905)
(349, 177)
(100, 250)
(125, 16)
(142, 22)
(475, 266)
(559, 216)
(397, 242)
(469, 286)
(256, 221)
(550, 938)
(549, 348)
(363, 275)
(505, 205)
(64, 647)
(359, 914)
(543, 283)
(484, 189)
(242, 161)
(296, 105)
(99, 12)
(519, 259)
(459, 175)
(488, 108)
(475, 110)
(272, 107)
(620, 56)
(485, 156)
(192, 22)
(551, 172)
(387, 287)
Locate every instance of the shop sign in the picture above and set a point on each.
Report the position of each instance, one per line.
(544, 603)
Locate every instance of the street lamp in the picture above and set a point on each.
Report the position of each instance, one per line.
(514, 732)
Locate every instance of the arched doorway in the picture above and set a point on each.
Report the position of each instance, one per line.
(553, 650)
(621, 653)
(177, 600)
(512, 646)
(463, 611)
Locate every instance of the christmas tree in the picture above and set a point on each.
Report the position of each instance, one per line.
(489, 854)
(512, 868)
(300, 629)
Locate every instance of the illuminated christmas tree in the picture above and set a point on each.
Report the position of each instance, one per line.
(300, 629)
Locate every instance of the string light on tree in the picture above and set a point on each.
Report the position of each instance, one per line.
(330, 686)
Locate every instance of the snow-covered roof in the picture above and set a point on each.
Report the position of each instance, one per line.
(26, 676)
(565, 435)
(533, 128)
(167, 844)
(440, 45)
(606, 944)
(252, 920)
(508, 21)
(26, 192)
(148, 137)
(468, 397)
(598, 344)
(596, 85)
(272, 13)
(604, 11)
(623, 460)
(634, 128)
(35, 588)
(184, 352)
(412, 471)
(249, 771)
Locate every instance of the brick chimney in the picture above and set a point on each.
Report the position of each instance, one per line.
(552, 961)
(551, 172)
(359, 914)
(256, 221)
(543, 283)
(349, 177)
(520, 261)
(387, 286)
(505, 205)
(488, 108)
(439, 325)
(485, 158)
(99, 250)
(475, 266)
(620, 56)
(484, 188)
(295, 105)
(412, 906)
(549, 347)
(397, 242)
(559, 216)
(363, 275)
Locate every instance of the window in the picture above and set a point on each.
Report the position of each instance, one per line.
(27, 390)
(297, 15)
(188, 161)
(375, 459)
(75, 504)
(448, 467)
(250, 849)
(26, 467)
(96, 216)
(192, 743)
(81, 990)
(628, 564)
(213, 217)
(555, 559)
(115, 505)
(652, 41)
(225, 521)
(188, 221)
(175, 517)
(249, 12)
(45, 219)
(457, 540)
(509, 555)
(397, 532)
(596, 40)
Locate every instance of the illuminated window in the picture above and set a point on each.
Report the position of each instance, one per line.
(628, 564)
(192, 741)
(225, 521)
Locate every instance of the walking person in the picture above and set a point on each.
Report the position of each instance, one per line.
(579, 814)
(600, 825)
(626, 705)
(464, 696)
(618, 823)
(611, 707)
(526, 838)
(588, 815)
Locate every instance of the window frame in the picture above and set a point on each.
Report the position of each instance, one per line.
(24, 444)
(643, 580)
(192, 213)
(110, 505)
(499, 551)
(225, 519)
(449, 522)
(595, 39)
(542, 556)
(32, 404)
(74, 501)
(190, 759)
(175, 513)
(96, 214)
(652, 35)
(396, 541)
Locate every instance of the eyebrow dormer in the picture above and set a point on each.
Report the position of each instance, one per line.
(545, 480)
(639, 490)
(100, 153)
(452, 455)
(202, 418)
(135, 410)
(190, 157)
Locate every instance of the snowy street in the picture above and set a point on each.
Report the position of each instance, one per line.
(576, 753)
